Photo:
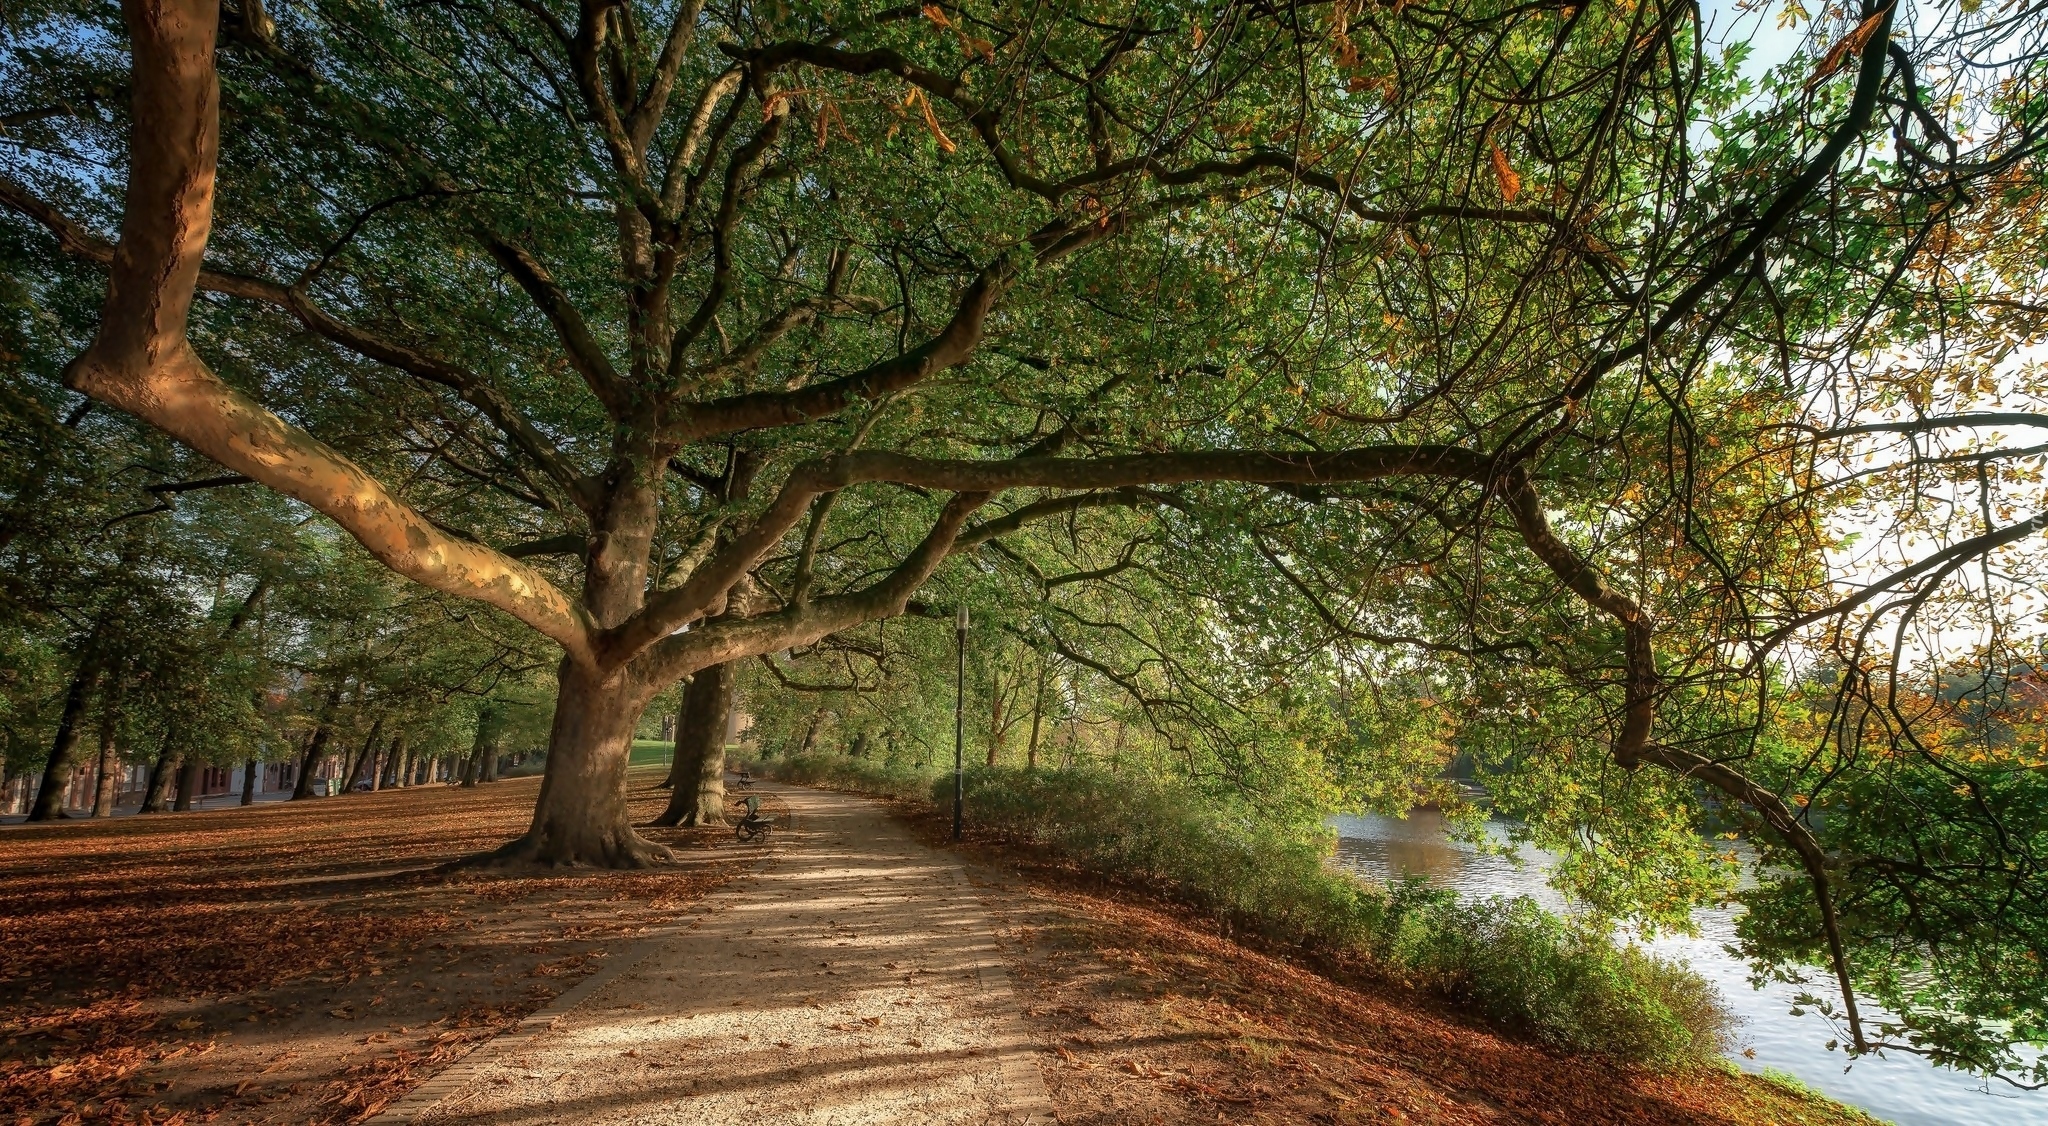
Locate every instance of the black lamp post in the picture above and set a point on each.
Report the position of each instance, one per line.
(959, 711)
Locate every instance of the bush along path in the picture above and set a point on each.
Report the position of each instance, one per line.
(854, 979)
(1178, 965)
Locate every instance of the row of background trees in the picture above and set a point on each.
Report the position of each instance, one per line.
(163, 619)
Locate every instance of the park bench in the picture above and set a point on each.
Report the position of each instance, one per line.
(746, 780)
(753, 823)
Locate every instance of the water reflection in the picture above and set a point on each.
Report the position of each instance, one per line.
(1903, 1089)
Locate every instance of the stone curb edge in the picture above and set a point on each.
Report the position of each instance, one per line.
(1029, 1103)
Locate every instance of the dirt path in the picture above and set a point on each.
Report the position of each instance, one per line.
(853, 980)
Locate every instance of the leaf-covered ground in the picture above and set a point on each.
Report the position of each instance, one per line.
(1152, 1017)
(306, 963)
(297, 962)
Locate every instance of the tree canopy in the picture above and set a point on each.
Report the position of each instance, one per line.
(1338, 387)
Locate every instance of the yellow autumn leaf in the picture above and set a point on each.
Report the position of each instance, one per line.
(931, 120)
(1510, 180)
(1839, 54)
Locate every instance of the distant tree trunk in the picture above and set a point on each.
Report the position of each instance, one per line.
(860, 746)
(249, 783)
(302, 787)
(995, 725)
(107, 778)
(380, 762)
(487, 728)
(492, 754)
(364, 757)
(1037, 715)
(699, 771)
(49, 804)
(394, 763)
(190, 774)
(156, 795)
(811, 733)
(675, 757)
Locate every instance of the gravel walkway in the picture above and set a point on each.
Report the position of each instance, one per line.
(853, 980)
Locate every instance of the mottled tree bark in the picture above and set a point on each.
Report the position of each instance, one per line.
(580, 817)
(699, 770)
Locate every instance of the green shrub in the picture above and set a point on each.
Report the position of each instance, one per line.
(861, 775)
(1521, 966)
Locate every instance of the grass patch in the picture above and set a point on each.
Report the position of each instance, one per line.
(650, 752)
(1522, 967)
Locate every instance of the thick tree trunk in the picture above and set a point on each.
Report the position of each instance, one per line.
(699, 771)
(157, 795)
(302, 787)
(492, 754)
(580, 817)
(249, 783)
(49, 804)
(189, 777)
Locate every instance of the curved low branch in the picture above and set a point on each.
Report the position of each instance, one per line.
(142, 362)
(470, 388)
(1788, 828)
(680, 654)
(671, 609)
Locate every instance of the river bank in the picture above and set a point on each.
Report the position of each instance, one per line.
(1899, 1088)
(1150, 1012)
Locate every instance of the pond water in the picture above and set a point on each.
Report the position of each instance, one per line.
(1900, 1088)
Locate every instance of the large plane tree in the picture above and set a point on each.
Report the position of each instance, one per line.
(700, 332)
